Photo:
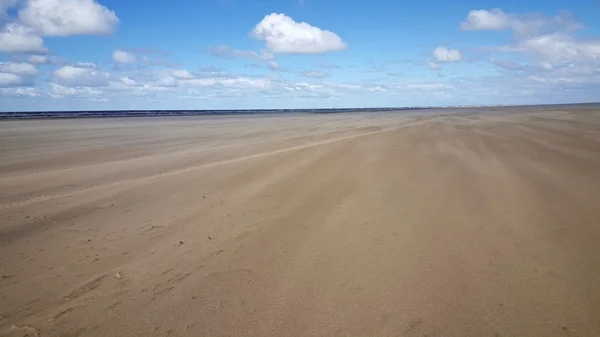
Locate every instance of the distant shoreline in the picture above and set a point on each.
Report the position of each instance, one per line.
(176, 113)
(37, 115)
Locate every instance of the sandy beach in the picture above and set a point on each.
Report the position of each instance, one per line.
(433, 223)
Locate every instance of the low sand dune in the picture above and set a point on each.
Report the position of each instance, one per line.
(456, 223)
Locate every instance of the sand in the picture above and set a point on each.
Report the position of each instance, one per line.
(456, 223)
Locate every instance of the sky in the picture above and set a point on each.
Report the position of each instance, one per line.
(273, 54)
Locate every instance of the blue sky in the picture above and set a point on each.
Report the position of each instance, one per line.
(236, 54)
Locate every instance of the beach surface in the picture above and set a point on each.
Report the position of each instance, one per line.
(474, 222)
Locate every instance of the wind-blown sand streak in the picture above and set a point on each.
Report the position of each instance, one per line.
(474, 223)
(45, 197)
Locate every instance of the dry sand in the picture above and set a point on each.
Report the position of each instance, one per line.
(476, 223)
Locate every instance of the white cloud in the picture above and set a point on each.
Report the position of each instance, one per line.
(284, 35)
(182, 74)
(307, 90)
(22, 69)
(432, 65)
(314, 74)
(59, 91)
(128, 81)
(128, 87)
(445, 54)
(174, 81)
(423, 86)
(227, 87)
(122, 56)
(20, 92)
(221, 51)
(349, 86)
(52, 18)
(88, 65)
(559, 47)
(68, 17)
(567, 75)
(10, 80)
(522, 25)
(558, 59)
(227, 53)
(482, 19)
(211, 71)
(535, 24)
(216, 87)
(73, 76)
(377, 89)
(166, 82)
(235, 82)
(38, 59)
(547, 40)
(45, 59)
(124, 83)
(16, 38)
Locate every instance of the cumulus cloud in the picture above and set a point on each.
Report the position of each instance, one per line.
(68, 17)
(38, 18)
(10, 80)
(21, 69)
(284, 35)
(16, 38)
(73, 76)
(482, 19)
(14, 74)
(45, 59)
(121, 56)
(38, 59)
(445, 54)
